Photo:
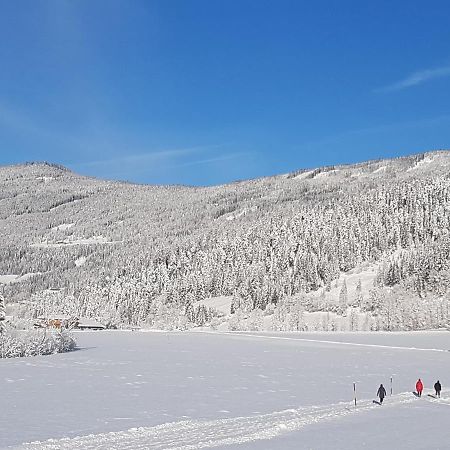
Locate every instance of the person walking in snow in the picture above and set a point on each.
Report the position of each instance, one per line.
(381, 393)
(437, 388)
(419, 387)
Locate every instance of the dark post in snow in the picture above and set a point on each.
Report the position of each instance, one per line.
(391, 385)
(354, 392)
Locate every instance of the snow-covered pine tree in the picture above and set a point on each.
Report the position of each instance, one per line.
(296, 318)
(358, 295)
(2, 307)
(353, 320)
(343, 298)
(2, 312)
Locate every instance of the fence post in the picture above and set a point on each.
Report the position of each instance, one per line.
(391, 385)
(354, 392)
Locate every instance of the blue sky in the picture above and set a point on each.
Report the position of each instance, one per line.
(209, 91)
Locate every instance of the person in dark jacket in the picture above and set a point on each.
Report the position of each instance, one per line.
(381, 393)
(437, 388)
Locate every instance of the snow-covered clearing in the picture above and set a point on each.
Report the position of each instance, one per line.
(8, 279)
(221, 304)
(68, 242)
(241, 213)
(326, 173)
(132, 390)
(380, 169)
(424, 161)
(63, 227)
(45, 179)
(366, 274)
(303, 175)
(81, 261)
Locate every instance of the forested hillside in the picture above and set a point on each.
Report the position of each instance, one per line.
(277, 246)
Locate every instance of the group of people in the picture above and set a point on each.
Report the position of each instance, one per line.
(381, 393)
(437, 388)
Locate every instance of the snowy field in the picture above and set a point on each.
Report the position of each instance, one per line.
(136, 390)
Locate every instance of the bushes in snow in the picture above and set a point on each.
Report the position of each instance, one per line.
(14, 344)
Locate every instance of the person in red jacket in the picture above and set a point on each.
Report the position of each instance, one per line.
(419, 387)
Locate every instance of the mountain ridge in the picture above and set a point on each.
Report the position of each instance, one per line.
(341, 166)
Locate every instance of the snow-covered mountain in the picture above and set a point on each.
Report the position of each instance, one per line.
(355, 246)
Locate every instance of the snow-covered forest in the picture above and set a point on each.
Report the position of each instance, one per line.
(296, 249)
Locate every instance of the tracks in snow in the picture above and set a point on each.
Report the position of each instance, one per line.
(198, 434)
(324, 341)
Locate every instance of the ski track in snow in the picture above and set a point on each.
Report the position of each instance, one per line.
(197, 434)
(323, 341)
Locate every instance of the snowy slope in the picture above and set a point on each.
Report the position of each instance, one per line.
(141, 255)
(204, 390)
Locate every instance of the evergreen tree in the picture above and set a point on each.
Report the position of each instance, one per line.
(2, 312)
(343, 298)
(353, 320)
(2, 307)
(358, 295)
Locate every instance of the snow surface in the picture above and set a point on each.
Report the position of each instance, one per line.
(221, 304)
(45, 179)
(81, 261)
(63, 226)
(69, 243)
(303, 175)
(241, 213)
(238, 390)
(424, 161)
(366, 273)
(380, 169)
(326, 173)
(8, 279)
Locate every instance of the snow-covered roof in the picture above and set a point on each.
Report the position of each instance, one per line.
(89, 323)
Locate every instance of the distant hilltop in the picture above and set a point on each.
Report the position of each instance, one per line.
(350, 166)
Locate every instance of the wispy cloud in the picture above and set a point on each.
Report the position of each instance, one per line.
(144, 157)
(112, 154)
(220, 158)
(417, 78)
(151, 163)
